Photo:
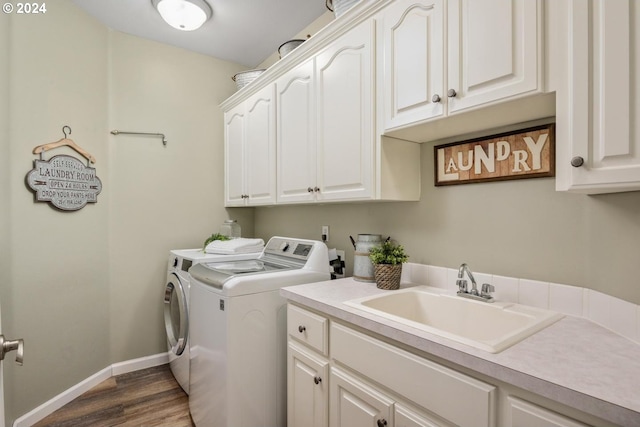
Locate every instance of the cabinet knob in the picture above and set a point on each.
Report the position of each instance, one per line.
(317, 380)
(435, 98)
(577, 161)
(309, 189)
(316, 189)
(301, 329)
(382, 422)
(452, 93)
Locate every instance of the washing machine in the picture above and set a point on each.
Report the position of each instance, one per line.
(176, 306)
(238, 333)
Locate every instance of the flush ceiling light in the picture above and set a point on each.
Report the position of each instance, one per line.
(186, 15)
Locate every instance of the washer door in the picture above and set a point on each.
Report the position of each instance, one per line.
(176, 320)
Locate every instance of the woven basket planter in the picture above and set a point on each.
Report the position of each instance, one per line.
(388, 276)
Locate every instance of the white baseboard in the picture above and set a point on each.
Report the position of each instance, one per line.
(138, 364)
(77, 390)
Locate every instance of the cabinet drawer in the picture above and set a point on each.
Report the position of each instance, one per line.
(523, 413)
(308, 328)
(435, 387)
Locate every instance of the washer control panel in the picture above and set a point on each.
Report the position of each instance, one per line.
(290, 248)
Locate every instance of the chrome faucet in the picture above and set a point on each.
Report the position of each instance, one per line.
(483, 295)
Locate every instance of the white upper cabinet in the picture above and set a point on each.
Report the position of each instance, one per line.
(250, 150)
(599, 99)
(494, 51)
(413, 50)
(325, 123)
(234, 181)
(491, 52)
(296, 123)
(321, 114)
(345, 126)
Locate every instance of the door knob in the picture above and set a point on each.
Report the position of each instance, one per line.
(7, 345)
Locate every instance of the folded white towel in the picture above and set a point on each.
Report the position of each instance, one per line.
(235, 246)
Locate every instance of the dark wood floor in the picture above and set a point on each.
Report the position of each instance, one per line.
(149, 397)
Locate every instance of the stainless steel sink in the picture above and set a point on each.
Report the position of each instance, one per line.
(489, 327)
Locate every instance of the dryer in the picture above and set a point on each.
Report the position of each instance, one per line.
(238, 333)
(176, 306)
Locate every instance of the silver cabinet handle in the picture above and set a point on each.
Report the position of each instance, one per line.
(577, 161)
(7, 345)
(435, 98)
(452, 93)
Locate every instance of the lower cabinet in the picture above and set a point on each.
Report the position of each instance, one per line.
(334, 377)
(308, 388)
(408, 377)
(353, 403)
(342, 377)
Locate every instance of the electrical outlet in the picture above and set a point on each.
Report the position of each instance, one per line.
(325, 233)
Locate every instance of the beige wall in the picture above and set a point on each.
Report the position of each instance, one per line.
(57, 295)
(519, 229)
(162, 197)
(85, 288)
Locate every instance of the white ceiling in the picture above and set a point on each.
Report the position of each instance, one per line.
(241, 31)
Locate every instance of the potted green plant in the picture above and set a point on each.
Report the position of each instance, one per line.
(387, 261)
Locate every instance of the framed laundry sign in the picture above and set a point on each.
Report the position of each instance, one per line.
(525, 153)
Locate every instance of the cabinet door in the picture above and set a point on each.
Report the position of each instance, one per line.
(344, 73)
(603, 105)
(355, 404)
(296, 134)
(234, 156)
(413, 40)
(494, 50)
(260, 151)
(307, 389)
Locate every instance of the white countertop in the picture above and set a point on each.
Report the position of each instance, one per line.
(574, 361)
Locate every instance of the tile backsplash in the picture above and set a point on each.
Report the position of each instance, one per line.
(620, 316)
